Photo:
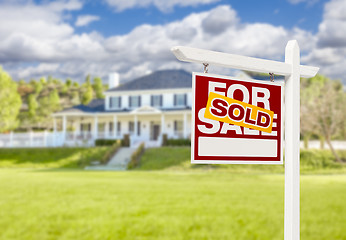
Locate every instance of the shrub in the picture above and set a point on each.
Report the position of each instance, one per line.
(135, 157)
(110, 153)
(164, 139)
(125, 142)
(178, 142)
(105, 142)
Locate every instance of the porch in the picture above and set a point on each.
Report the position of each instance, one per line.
(141, 126)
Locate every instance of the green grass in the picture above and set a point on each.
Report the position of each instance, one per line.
(50, 157)
(178, 158)
(39, 204)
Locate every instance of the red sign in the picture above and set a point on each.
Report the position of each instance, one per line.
(218, 142)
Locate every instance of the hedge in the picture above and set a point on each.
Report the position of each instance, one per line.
(178, 142)
(110, 153)
(105, 142)
(135, 157)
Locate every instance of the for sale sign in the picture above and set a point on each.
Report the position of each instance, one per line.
(236, 121)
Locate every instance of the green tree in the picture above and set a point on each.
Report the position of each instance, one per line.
(98, 87)
(68, 83)
(87, 95)
(54, 101)
(75, 100)
(75, 84)
(10, 102)
(32, 106)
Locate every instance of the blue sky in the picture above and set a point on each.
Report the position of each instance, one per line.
(72, 38)
(306, 15)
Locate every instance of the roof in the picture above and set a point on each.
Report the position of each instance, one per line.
(165, 79)
(96, 105)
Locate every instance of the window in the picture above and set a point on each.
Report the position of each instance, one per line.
(180, 99)
(85, 127)
(119, 128)
(156, 100)
(134, 101)
(110, 126)
(131, 127)
(178, 128)
(115, 102)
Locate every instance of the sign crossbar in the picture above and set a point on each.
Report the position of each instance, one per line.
(189, 54)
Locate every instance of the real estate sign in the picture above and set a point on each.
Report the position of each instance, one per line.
(236, 121)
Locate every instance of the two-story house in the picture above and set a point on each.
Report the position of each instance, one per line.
(145, 108)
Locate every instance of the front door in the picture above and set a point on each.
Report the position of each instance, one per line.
(155, 131)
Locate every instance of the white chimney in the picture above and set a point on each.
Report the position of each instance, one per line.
(113, 80)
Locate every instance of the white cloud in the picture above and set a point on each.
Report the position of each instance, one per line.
(309, 2)
(85, 20)
(330, 50)
(164, 6)
(45, 37)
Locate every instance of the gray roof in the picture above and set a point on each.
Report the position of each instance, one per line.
(166, 79)
(98, 106)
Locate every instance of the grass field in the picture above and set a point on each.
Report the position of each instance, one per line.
(38, 204)
(49, 157)
(178, 159)
(45, 195)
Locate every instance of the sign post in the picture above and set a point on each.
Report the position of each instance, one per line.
(292, 70)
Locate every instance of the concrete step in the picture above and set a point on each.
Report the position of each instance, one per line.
(104, 168)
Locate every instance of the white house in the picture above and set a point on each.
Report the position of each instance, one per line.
(145, 108)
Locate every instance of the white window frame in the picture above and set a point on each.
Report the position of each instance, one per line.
(111, 106)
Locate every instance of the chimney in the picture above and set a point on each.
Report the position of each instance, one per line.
(113, 80)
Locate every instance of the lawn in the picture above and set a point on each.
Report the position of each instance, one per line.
(164, 198)
(163, 205)
(178, 159)
(49, 157)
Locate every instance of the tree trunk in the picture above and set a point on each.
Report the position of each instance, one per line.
(329, 142)
(306, 139)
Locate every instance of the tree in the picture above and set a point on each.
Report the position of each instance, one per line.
(32, 106)
(323, 109)
(10, 102)
(87, 95)
(98, 87)
(54, 101)
(68, 82)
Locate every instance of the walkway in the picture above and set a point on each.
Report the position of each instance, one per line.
(118, 162)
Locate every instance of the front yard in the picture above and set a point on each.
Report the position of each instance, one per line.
(49, 157)
(45, 195)
(37, 204)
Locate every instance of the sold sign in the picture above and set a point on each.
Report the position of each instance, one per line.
(229, 110)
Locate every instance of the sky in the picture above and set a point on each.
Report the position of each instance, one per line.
(73, 38)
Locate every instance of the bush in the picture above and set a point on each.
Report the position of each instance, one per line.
(178, 142)
(135, 157)
(164, 139)
(110, 153)
(125, 142)
(105, 142)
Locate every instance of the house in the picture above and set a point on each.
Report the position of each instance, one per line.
(145, 108)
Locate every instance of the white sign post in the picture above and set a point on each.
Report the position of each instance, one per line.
(292, 70)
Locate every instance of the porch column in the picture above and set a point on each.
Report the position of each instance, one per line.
(163, 130)
(136, 126)
(185, 125)
(95, 127)
(115, 126)
(64, 126)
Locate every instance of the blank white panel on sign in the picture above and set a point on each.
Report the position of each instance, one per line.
(213, 146)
